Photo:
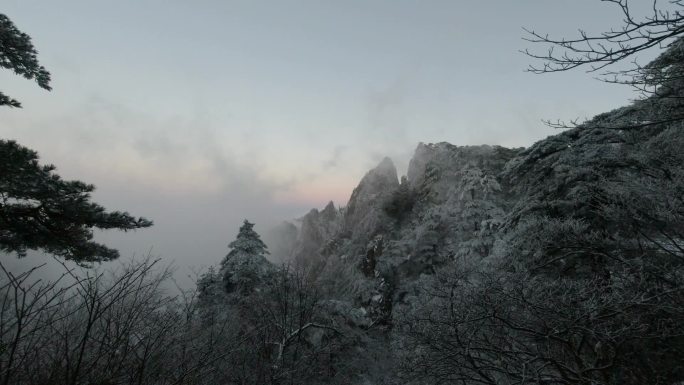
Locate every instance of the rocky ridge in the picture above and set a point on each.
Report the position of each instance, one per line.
(393, 232)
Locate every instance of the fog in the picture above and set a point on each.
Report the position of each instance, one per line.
(199, 115)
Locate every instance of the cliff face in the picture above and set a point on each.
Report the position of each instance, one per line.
(318, 233)
(393, 232)
(364, 216)
(316, 228)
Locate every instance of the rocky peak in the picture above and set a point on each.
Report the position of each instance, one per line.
(317, 227)
(376, 182)
(385, 168)
(329, 212)
(423, 154)
(364, 210)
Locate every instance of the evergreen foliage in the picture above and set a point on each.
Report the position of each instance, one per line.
(245, 265)
(39, 210)
(18, 54)
(247, 242)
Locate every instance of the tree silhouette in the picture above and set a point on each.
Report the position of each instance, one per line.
(39, 210)
(18, 54)
(659, 82)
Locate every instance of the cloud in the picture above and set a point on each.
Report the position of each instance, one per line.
(336, 158)
(183, 172)
(113, 143)
(387, 109)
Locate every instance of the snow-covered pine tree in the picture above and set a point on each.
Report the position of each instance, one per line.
(245, 265)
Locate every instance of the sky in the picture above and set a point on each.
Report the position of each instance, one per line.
(200, 114)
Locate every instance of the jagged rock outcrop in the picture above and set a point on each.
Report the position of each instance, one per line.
(456, 191)
(316, 228)
(449, 194)
(364, 216)
(393, 232)
(320, 233)
(374, 254)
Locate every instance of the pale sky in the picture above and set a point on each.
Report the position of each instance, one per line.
(198, 114)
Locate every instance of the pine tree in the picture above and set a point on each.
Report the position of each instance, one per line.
(245, 265)
(39, 210)
(248, 242)
(18, 54)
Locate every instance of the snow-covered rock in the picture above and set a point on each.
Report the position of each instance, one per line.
(364, 216)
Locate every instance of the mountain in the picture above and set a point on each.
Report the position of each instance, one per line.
(409, 227)
(561, 231)
(394, 232)
(560, 263)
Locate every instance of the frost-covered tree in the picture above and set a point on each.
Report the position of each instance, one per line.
(247, 241)
(292, 340)
(209, 295)
(245, 265)
(207, 283)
